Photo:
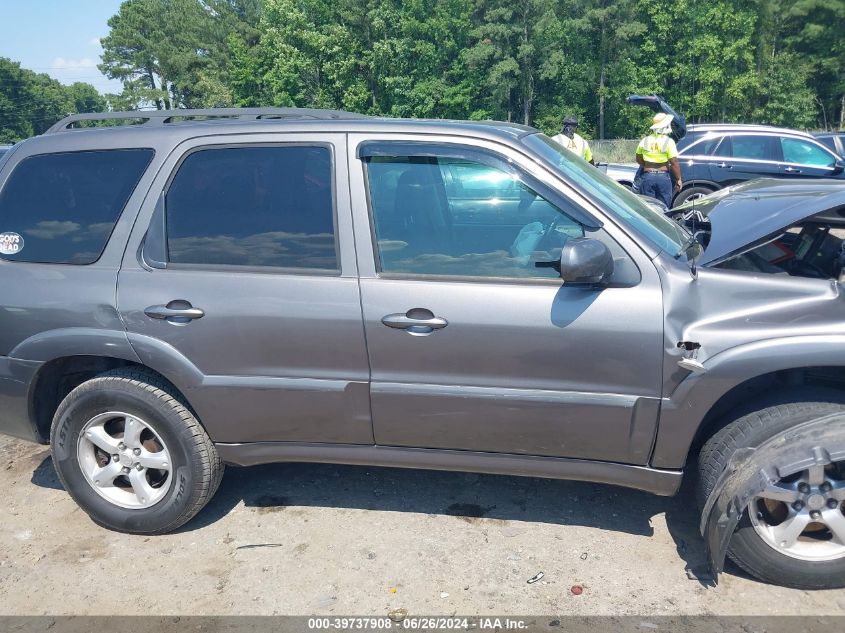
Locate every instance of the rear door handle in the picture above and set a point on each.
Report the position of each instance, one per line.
(724, 165)
(417, 321)
(792, 170)
(176, 312)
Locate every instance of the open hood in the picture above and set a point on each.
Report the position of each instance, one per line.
(751, 213)
(657, 104)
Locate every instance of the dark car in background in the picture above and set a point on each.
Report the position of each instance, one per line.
(717, 155)
(833, 140)
(714, 156)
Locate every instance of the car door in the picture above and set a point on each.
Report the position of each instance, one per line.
(245, 285)
(741, 157)
(474, 343)
(696, 157)
(806, 159)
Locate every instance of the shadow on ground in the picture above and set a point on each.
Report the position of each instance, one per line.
(469, 496)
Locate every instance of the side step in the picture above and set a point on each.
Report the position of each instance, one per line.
(660, 482)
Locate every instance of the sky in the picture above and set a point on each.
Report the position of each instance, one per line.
(58, 37)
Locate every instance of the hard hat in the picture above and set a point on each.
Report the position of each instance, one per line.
(662, 122)
(571, 120)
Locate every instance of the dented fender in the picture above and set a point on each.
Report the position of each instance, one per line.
(684, 410)
(723, 328)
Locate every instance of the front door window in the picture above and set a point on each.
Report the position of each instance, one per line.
(457, 217)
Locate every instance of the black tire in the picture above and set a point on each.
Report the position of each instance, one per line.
(747, 549)
(196, 466)
(689, 192)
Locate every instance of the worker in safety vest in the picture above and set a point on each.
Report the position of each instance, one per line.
(658, 156)
(572, 141)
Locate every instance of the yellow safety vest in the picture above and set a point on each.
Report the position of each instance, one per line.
(577, 145)
(657, 148)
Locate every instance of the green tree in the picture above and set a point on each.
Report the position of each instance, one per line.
(812, 30)
(176, 53)
(532, 61)
(30, 103)
(511, 43)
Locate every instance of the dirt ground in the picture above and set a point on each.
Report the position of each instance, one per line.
(319, 539)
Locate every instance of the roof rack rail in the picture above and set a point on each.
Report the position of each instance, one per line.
(165, 117)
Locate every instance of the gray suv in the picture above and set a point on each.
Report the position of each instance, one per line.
(249, 286)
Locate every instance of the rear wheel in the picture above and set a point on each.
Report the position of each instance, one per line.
(131, 453)
(691, 193)
(793, 534)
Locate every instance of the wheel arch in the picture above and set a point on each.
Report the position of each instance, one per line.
(701, 182)
(57, 377)
(697, 182)
(68, 356)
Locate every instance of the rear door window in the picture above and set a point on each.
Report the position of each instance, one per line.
(62, 208)
(260, 206)
(750, 147)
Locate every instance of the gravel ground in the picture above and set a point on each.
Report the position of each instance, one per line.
(319, 539)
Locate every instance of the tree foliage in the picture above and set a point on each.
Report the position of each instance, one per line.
(30, 103)
(533, 61)
(530, 61)
(176, 53)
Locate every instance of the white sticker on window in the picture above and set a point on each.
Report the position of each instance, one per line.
(10, 243)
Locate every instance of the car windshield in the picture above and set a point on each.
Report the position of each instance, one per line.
(664, 233)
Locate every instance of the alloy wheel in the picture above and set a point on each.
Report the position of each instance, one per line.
(124, 460)
(802, 516)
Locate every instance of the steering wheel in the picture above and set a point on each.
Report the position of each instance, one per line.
(544, 238)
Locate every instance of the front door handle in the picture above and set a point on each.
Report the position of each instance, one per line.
(724, 165)
(177, 312)
(792, 170)
(417, 321)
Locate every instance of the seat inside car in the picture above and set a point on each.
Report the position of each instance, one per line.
(417, 217)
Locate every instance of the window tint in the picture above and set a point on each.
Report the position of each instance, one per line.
(804, 153)
(709, 146)
(824, 140)
(253, 206)
(64, 206)
(750, 147)
(702, 146)
(690, 138)
(445, 216)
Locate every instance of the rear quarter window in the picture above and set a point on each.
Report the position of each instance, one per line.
(61, 208)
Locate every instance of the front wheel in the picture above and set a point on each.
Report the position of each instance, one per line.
(793, 533)
(131, 453)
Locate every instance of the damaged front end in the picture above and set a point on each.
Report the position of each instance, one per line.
(759, 302)
(779, 227)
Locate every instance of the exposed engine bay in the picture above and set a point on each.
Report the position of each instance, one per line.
(813, 248)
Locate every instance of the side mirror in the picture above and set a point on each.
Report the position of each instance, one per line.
(839, 166)
(585, 261)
